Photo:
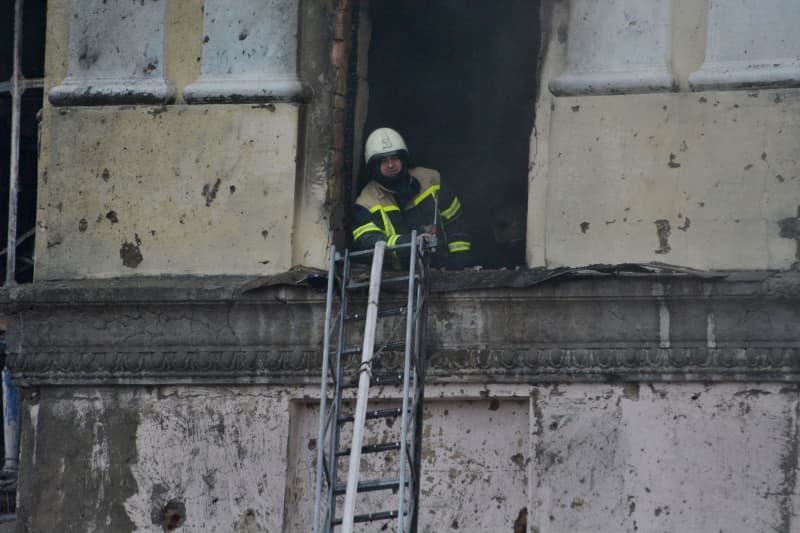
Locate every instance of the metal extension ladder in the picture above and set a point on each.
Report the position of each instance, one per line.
(400, 457)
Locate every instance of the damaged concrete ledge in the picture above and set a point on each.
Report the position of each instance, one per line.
(584, 327)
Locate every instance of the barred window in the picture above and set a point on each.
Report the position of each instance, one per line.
(21, 93)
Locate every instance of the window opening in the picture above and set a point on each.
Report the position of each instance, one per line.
(457, 80)
(21, 94)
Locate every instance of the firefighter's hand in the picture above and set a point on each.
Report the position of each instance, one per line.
(430, 229)
(427, 241)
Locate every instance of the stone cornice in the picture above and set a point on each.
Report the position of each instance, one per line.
(299, 367)
(205, 330)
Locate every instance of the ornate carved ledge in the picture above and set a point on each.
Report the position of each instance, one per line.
(202, 330)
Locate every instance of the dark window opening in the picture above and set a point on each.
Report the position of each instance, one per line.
(21, 96)
(457, 80)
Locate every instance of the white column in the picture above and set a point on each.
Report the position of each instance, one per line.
(249, 52)
(617, 46)
(116, 54)
(750, 43)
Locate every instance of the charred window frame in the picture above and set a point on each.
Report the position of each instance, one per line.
(21, 96)
(461, 89)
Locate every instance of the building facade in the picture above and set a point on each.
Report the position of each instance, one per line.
(630, 361)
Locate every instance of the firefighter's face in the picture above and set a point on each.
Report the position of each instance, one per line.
(391, 166)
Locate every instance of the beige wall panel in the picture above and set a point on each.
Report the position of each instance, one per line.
(719, 167)
(177, 190)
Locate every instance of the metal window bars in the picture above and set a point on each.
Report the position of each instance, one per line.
(16, 87)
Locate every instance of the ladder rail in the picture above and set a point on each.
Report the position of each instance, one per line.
(337, 399)
(419, 396)
(363, 387)
(410, 319)
(323, 394)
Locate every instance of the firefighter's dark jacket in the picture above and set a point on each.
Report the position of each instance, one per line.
(379, 216)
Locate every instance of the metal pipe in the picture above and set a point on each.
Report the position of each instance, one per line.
(10, 425)
(13, 178)
(363, 387)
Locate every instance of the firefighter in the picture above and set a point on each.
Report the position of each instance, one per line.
(399, 198)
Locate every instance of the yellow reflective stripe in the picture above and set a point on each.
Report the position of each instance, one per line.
(387, 208)
(424, 194)
(388, 227)
(459, 246)
(392, 240)
(452, 211)
(365, 228)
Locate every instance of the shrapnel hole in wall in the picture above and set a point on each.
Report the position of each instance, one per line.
(457, 80)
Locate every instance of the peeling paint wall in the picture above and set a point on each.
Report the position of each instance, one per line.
(594, 457)
(699, 178)
(214, 457)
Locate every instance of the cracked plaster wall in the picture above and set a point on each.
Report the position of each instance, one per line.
(587, 457)
(697, 178)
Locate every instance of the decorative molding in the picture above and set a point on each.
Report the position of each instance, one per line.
(249, 53)
(616, 47)
(116, 54)
(586, 329)
(505, 365)
(750, 44)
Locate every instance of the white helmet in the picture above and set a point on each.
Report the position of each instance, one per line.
(384, 142)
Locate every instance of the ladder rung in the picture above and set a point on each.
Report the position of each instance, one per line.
(386, 379)
(362, 253)
(392, 311)
(378, 413)
(370, 517)
(372, 485)
(372, 448)
(377, 379)
(390, 346)
(384, 281)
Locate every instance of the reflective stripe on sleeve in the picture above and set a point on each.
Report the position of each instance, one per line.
(365, 228)
(453, 210)
(459, 246)
(392, 240)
